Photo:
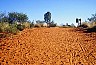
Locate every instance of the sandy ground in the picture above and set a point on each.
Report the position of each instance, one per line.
(49, 46)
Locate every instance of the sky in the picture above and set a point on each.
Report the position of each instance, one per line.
(63, 11)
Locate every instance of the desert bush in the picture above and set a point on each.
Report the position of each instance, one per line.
(67, 26)
(6, 29)
(26, 24)
(13, 29)
(88, 24)
(41, 25)
(9, 28)
(84, 25)
(37, 25)
(92, 24)
(93, 29)
(20, 27)
(32, 25)
(4, 26)
(52, 25)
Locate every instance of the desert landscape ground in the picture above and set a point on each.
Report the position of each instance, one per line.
(49, 46)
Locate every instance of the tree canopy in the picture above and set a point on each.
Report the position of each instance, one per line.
(20, 17)
(47, 17)
(13, 16)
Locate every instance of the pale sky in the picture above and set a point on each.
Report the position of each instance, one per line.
(63, 11)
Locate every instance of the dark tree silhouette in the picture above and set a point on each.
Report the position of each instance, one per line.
(47, 17)
(13, 16)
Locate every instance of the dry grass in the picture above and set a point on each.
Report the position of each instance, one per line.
(89, 24)
(26, 24)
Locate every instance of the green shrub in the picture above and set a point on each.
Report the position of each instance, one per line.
(13, 29)
(26, 24)
(3, 26)
(6, 29)
(20, 27)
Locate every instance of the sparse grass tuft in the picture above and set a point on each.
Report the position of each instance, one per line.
(26, 24)
(89, 26)
(37, 25)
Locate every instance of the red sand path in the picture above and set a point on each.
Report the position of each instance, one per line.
(49, 46)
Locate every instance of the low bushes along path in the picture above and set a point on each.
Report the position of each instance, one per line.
(49, 46)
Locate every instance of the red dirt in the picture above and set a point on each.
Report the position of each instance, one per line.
(49, 46)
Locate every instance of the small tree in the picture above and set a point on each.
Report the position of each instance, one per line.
(47, 17)
(93, 18)
(52, 24)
